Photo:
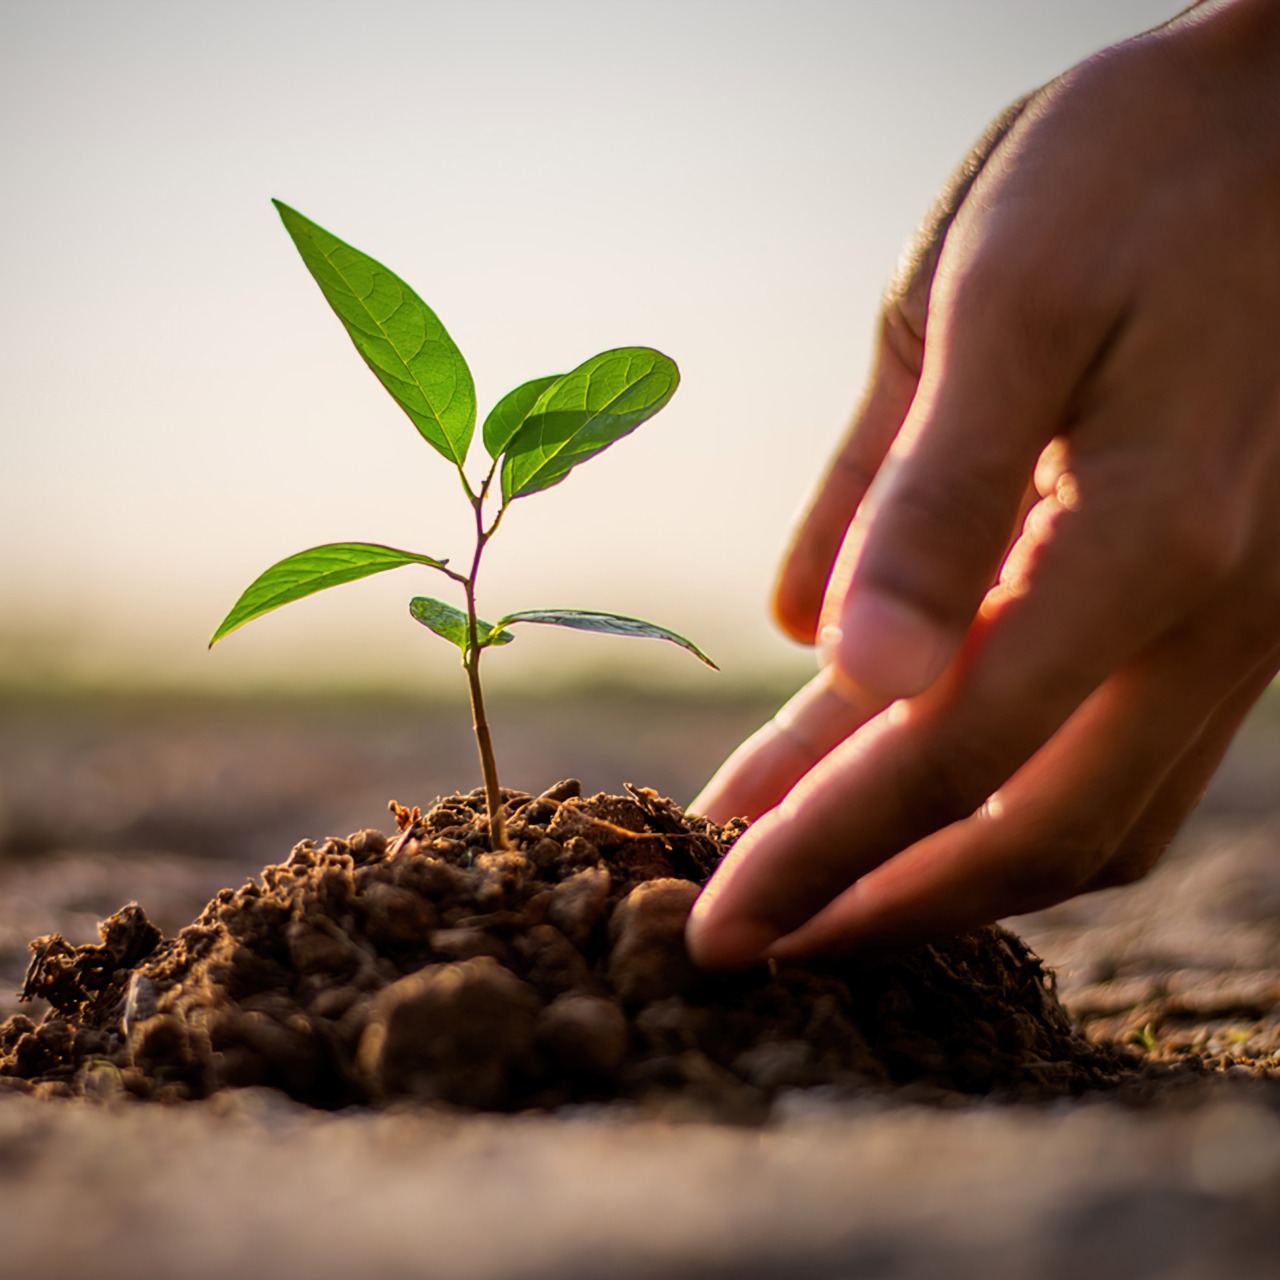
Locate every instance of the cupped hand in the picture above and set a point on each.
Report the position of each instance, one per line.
(1059, 507)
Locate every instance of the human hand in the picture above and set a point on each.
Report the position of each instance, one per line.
(1062, 594)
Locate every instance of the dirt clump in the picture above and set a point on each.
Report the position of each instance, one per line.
(424, 967)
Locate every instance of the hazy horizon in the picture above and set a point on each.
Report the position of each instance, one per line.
(727, 180)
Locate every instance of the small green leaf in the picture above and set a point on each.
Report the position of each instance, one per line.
(313, 570)
(451, 623)
(614, 624)
(602, 400)
(508, 415)
(399, 336)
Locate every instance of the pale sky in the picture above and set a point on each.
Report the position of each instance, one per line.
(727, 180)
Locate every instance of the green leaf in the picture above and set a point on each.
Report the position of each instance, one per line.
(614, 624)
(508, 415)
(310, 571)
(451, 623)
(398, 335)
(600, 401)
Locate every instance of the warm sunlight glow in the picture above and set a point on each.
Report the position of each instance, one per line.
(721, 182)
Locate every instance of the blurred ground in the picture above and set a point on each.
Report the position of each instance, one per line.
(166, 802)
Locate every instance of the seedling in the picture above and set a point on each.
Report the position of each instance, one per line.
(534, 436)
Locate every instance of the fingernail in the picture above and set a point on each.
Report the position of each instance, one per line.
(889, 647)
(726, 944)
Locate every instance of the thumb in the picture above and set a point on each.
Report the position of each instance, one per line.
(944, 510)
(807, 564)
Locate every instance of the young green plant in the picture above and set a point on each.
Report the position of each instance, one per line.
(534, 436)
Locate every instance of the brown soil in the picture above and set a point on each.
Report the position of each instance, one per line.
(423, 966)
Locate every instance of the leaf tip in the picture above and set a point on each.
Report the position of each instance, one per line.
(291, 218)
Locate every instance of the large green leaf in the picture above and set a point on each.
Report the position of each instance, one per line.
(399, 336)
(614, 624)
(600, 401)
(451, 623)
(313, 570)
(508, 415)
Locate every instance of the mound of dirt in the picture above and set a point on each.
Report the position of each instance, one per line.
(371, 969)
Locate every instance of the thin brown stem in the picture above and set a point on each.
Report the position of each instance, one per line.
(488, 766)
(471, 664)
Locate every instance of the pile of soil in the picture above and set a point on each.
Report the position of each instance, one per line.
(371, 969)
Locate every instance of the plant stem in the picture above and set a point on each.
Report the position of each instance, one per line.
(484, 741)
(471, 664)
